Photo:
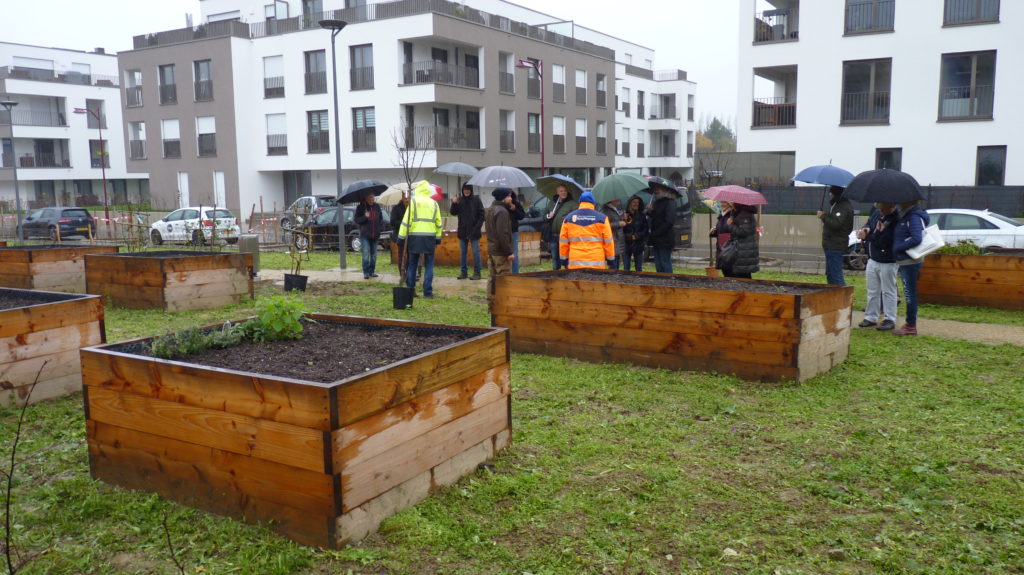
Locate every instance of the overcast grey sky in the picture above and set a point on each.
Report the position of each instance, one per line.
(698, 36)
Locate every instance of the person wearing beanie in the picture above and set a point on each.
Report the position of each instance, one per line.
(836, 225)
(470, 211)
(586, 239)
(500, 251)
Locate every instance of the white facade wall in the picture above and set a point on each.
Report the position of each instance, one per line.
(934, 152)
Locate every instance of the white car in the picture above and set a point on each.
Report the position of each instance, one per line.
(983, 228)
(184, 225)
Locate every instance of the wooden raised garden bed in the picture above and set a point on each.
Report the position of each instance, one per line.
(45, 267)
(447, 254)
(171, 280)
(38, 327)
(757, 330)
(324, 463)
(995, 280)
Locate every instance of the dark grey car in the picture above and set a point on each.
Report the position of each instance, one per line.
(49, 222)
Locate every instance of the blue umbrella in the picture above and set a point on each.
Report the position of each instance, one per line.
(827, 175)
(548, 185)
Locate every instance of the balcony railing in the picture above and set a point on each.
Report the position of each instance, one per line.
(558, 92)
(640, 150)
(558, 144)
(96, 162)
(137, 149)
(94, 123)
(133, 96)
(361, 78)
(533, 88)
(277, 144)
(318, 142)
(507, 140)
(640, 111)
(204, 90)
(506, 83)
(533, 143)
(970, 11)
(959, 103)
(871, 16)
(659, 150)
(6, 160)
(43, 161)
(773, 26)
(602, 146)
(581, 144)
(169, 94)
(39, 75)
(626, 107)
(581, 96)
(770, 112)
(602, 99)
(444, 138)
(316, 82)
(865, 108)
(664, 113)
(625, 149)
(44, 118)
(364, 139)
(172, 148)
(207, 145)
(433, 72)
(273, 87)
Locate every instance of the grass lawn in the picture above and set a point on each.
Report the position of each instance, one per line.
(907, 458)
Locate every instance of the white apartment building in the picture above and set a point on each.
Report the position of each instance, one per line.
(931, 87)
(68, 111)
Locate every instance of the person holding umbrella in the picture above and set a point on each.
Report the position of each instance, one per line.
(741, 225)
(564, 204)
(837, 223)
(421, 229)
(909, 233)
(662, 218)
(370, 221)
(470, 211)
(500, 251)
(617, 223)
(880, 275)
(635, 232)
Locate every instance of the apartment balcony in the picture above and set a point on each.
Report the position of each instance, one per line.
(602, 146)
(775, 26)
(869, 17)
(865, 108)
(664, 113)
(169, 94)
(961, 103)
(43, 161)
(364, 139)
(207, 144)
(172, 148)
(507, 140)
(277, 144)
(361, 78)
(506, 83)
(133, 96)
(39, 118)
(316, 82)
(137, 149)
(318, 142)
(773, 113)
(273, 87)
(39, 75)
(970, 12)
(203, 90)
(433, 72)
(443, 138)
(558, 144)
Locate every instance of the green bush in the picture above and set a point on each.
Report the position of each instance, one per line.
(961, 248)
(277, 318)
(190, 341)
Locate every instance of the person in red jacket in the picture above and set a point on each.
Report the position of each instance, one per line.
(586, 239)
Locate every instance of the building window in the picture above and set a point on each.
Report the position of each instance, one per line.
(273, 77)
(137, 140)
(533, 133)
(171, 138)
(168, 85)
(625, 101)
(968, 86)
(889, 158)
(866, 86)
(364, 129)
(870, 16)
(641, 140)
(558, 83)
(99, 154)
(602, 138)
(206, 136)
(203, 77)
(506, 79)
(506, 130)
(316, 72)
(558, 134)
(95, 117)
(581, 87)
(991, 169)
(641, 108)
(311, 11)
(625, 142)
(133, 88)
(532, 81)
(601, 89)
(361, 74)
(970, 12)
(318, 133)
(277, 135)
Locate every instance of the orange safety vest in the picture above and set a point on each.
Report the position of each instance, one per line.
(586, 239)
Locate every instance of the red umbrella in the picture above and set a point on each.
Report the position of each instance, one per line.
(735, 195)
(437, 194)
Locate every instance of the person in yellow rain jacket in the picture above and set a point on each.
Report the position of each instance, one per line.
(421, 230)
(586, 239)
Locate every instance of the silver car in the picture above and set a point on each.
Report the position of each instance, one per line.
(983, 228)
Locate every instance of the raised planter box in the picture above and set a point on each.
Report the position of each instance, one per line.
(170, 280)
(756, 330)
(995, 281)
(447, 254)
(324, 463)
(50, 329)
(52, 268)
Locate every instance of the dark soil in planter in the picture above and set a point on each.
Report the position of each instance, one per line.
(10, 299)
(695, 282)
(327, 352)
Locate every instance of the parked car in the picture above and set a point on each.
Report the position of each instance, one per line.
(184, 225)
(304, 207)
(983, 228)
(46, 222)
(322, 228)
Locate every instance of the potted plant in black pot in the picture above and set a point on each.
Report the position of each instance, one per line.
(295, 280)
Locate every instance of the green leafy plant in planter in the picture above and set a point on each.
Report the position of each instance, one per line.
(961, 248)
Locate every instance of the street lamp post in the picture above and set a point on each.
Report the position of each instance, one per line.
(537, 66)
(103, 162)
(9, 105)
(335, 26)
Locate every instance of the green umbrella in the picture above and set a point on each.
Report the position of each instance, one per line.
(618, 187)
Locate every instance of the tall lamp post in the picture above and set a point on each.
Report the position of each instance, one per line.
(335, 26)
(103, 162)
(9, 105)
(537, 66)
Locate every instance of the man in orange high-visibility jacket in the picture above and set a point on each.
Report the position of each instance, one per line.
(586, 238)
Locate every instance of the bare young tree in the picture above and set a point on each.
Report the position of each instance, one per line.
(411, 150)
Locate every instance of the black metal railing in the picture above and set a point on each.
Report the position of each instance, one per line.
(364, 139)
(663, 113)
(960, 102)
(434, 72)
(581, 144)
(277, 144)
(773, 26)
(626, 106)
(970, 11)
(581, 96)
(44, 161)
(640, 150)
(506, 83)
(602, 146)
(662, 150)
(361, 78)
(137, 149)
(207, 145)
(133, 96)
(40, 75)
(316, 82)
(204, 90)
(865, 107)
(444, 138)
(507, 140)
(625, 149)
(168, 93)
(773, 112)
(640, 111)
(558, 144)
(533, 143)
(273, 87)
(97, 161)
(558, 92)
(870, 16)
(318, 142)
(45, 118)
(172, 148)
(533, 88)
(601, 99)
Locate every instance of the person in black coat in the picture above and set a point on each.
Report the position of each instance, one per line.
(636, 232)
(470, 211)
(397, 214)
(880, 276)
(517, 212)
(742, 227)
(662, 212)
(371, 222)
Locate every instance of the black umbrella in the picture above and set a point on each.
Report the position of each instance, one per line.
(356, 191)
(888, 186)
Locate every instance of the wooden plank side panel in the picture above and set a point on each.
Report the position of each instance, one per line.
(209, 261)
(415, 377)
(14, 279)
(285, 401)
(231, 284)
(968, 281)
(819, 354)
(174, 279)
(626, 314)
(71, 282)
(376, 434)
(258, 438)
(979, 300)
(565, 335)
(826, 300)
(129, 296)
(298, 503)
(377, 475)
(46, 389)
(50, 315)
(211, 302)
(15, 256)
(72, 253)
(35, 344)
(103, 275)
(990, 262)
(58, 363)
(58, 266)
